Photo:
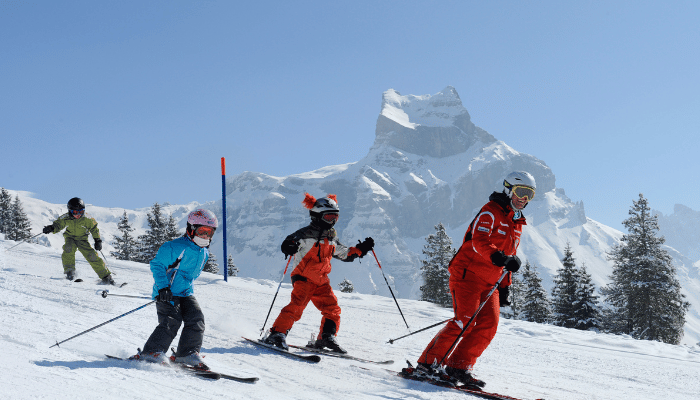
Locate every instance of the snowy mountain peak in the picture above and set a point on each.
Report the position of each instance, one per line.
(429, 125)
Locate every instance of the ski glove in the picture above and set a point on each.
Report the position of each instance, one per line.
(98, 244)
(511, 263)
(164, 295)
(503, 293)
(289, 247)
(48, 229)
(365, 246)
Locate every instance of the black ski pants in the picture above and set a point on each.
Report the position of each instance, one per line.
(170, 316)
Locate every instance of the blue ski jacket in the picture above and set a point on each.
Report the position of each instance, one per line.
(177, 264)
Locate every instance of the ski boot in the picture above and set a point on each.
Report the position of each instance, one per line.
(277, 339)
(157, 357)
(465, 378)
(194, 360)
(328, 340)
(108, 280)
(70, 274)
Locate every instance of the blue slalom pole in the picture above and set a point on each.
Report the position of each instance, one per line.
(223, 206)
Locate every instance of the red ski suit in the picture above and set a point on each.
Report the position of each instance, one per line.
(312, 264)
(472, 276)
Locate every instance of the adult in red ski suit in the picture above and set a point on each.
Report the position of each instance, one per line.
(489, 246)
(313, 247)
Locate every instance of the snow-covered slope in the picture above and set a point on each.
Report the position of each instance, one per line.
(525, 360)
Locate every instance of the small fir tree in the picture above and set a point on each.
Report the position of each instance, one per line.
(439, 253)
(535, 305)
(19, 222)
(644, 298)
(517, 297)
(5, 211)
(124, 245)
(150, 242)
(346, 286)
(211, 265)
(564, 291)
(171, 230)
(232, 269)
(586, 308)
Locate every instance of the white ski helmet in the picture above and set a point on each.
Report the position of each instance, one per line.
(519, 178)
(204, 217)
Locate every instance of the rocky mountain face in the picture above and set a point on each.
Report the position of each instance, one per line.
(429, 164)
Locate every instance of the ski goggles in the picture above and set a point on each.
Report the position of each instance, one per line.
(331, 217)
(75, 213)
(523, 192)
(205, 232)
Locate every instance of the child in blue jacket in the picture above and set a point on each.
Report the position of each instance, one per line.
(175, 267)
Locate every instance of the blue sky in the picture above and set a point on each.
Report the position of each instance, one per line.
(127, 103)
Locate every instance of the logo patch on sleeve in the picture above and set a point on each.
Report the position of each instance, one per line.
(483, 229)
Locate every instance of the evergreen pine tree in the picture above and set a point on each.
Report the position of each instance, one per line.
(211, 265)
(644, 297)
(231, 267)
(586, 308)
(171, 230)
(535, 305)
(346, 286)
(439, 253)
(564, 291)
(19, 222)
(5, 211)
(150, 242)
(124, 245)
(518, 290)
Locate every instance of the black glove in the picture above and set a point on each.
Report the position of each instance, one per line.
(98, 244)
(503, 293)
(289, 247)
(48, 229)
(499, 259)
(164, 295)
(365, 246)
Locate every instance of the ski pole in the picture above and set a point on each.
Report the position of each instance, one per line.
(274, 298)
(105, 258)
(503, 275)
(106, 293)
(391, 341)
(392, 292)
(25, 240)
(104, 323)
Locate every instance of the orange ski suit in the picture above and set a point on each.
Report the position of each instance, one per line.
(472, 276)
(312, 264)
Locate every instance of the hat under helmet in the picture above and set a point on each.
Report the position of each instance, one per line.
(319, 207)
(76, 203)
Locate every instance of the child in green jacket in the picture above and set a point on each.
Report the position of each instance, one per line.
(78, 225)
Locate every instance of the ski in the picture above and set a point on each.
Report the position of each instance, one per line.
(191, 370)
(100, 283)
(406, 373)
(339, 355)
(309, 358)
(251, 379)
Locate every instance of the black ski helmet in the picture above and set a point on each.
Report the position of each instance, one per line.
(318, 208)
(76, 203)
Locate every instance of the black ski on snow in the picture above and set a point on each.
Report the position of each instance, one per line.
(339, 355)
(203, 374)
(252, 379)
(309, 358)
(100, 283)
(406, 373)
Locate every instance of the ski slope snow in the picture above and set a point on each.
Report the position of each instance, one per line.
(38, 307)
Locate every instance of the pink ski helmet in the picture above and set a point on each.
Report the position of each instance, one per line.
(204, 217)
